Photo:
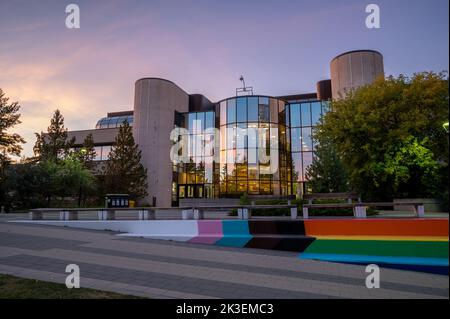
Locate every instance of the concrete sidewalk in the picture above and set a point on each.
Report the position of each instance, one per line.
(162, 269)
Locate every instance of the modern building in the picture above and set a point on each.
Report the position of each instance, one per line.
(258, 145)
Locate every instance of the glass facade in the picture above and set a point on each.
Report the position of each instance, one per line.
(114, 121)
(252, 147)
(303, 117)
(263, 146)
(101, 152)
(194, 178)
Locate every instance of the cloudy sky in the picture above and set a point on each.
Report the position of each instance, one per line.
(280, 46)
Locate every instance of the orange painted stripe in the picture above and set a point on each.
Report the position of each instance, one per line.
(377, 227)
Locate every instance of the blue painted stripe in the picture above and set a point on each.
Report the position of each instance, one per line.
(235, 233)
(377, 259)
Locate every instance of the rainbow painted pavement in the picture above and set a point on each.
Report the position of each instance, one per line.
(414, 244)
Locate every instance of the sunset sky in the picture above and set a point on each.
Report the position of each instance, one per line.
(281, 47)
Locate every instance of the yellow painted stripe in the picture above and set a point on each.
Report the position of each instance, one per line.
(403, 238)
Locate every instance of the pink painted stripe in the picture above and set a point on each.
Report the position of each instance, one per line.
(209, 231)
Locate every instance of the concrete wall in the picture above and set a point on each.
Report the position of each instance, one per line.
(101, 136)
(155, 102)
(353, 69)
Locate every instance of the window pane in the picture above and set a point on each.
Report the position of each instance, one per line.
(105, 152)
(200, 122)
(296, 139)
(98, 153)
(296, 166)
(252, 109)
(209, 120)
(295, 115)
(306, 139)
(241, 135)
(191, 122)
(273, 110)
(253, 187)
(231, 111)
(252, 134)
(231, 136)
(306, 114)
(264, 109)
(223, 113)
(307, 160)
(241, 109)
(315, 112)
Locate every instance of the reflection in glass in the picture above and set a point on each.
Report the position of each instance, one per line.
(252, 109)
(295, 115)
(231, 111)
(306, 114)
(241, 109)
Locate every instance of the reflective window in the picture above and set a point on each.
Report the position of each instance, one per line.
(209, 120)
(263, 109)
(105, 152)
(252, 110)
(307, 160)
(241, 109)
(297, 166)
(223, 113)
(273, 111)
(231, 111)
(295, 115)
(306, 139)
(316, 112)
(306, 114)
(296, 139)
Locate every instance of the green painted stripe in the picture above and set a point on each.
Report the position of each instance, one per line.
(380, 248)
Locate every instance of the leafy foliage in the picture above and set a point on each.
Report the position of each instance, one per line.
(389, 136)
(327, 173)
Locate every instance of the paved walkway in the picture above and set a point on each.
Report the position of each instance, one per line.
(162, 269)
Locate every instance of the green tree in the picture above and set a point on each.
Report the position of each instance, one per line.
(124, 172)
(389, 135)
(87, 153)
(53, 145)
(9, 142)
(326, 174)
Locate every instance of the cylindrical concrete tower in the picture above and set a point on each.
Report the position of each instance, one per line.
(155, 101)
(353, 69)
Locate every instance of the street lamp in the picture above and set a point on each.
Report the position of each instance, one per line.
(445, 126)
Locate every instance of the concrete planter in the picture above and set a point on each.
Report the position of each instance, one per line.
(431, 204)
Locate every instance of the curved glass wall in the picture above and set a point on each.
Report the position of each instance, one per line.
(253, 147)
(114, 121)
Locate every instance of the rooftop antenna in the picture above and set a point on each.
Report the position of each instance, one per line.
(244, 90)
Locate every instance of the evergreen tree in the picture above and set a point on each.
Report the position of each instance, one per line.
(87, 153)
(53, 145)
(124, 172)
(326, 174)
(9, 142)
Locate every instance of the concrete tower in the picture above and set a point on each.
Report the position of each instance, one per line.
(353, 69)
(155, 102)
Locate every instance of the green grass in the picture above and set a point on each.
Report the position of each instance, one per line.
(12, 287)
